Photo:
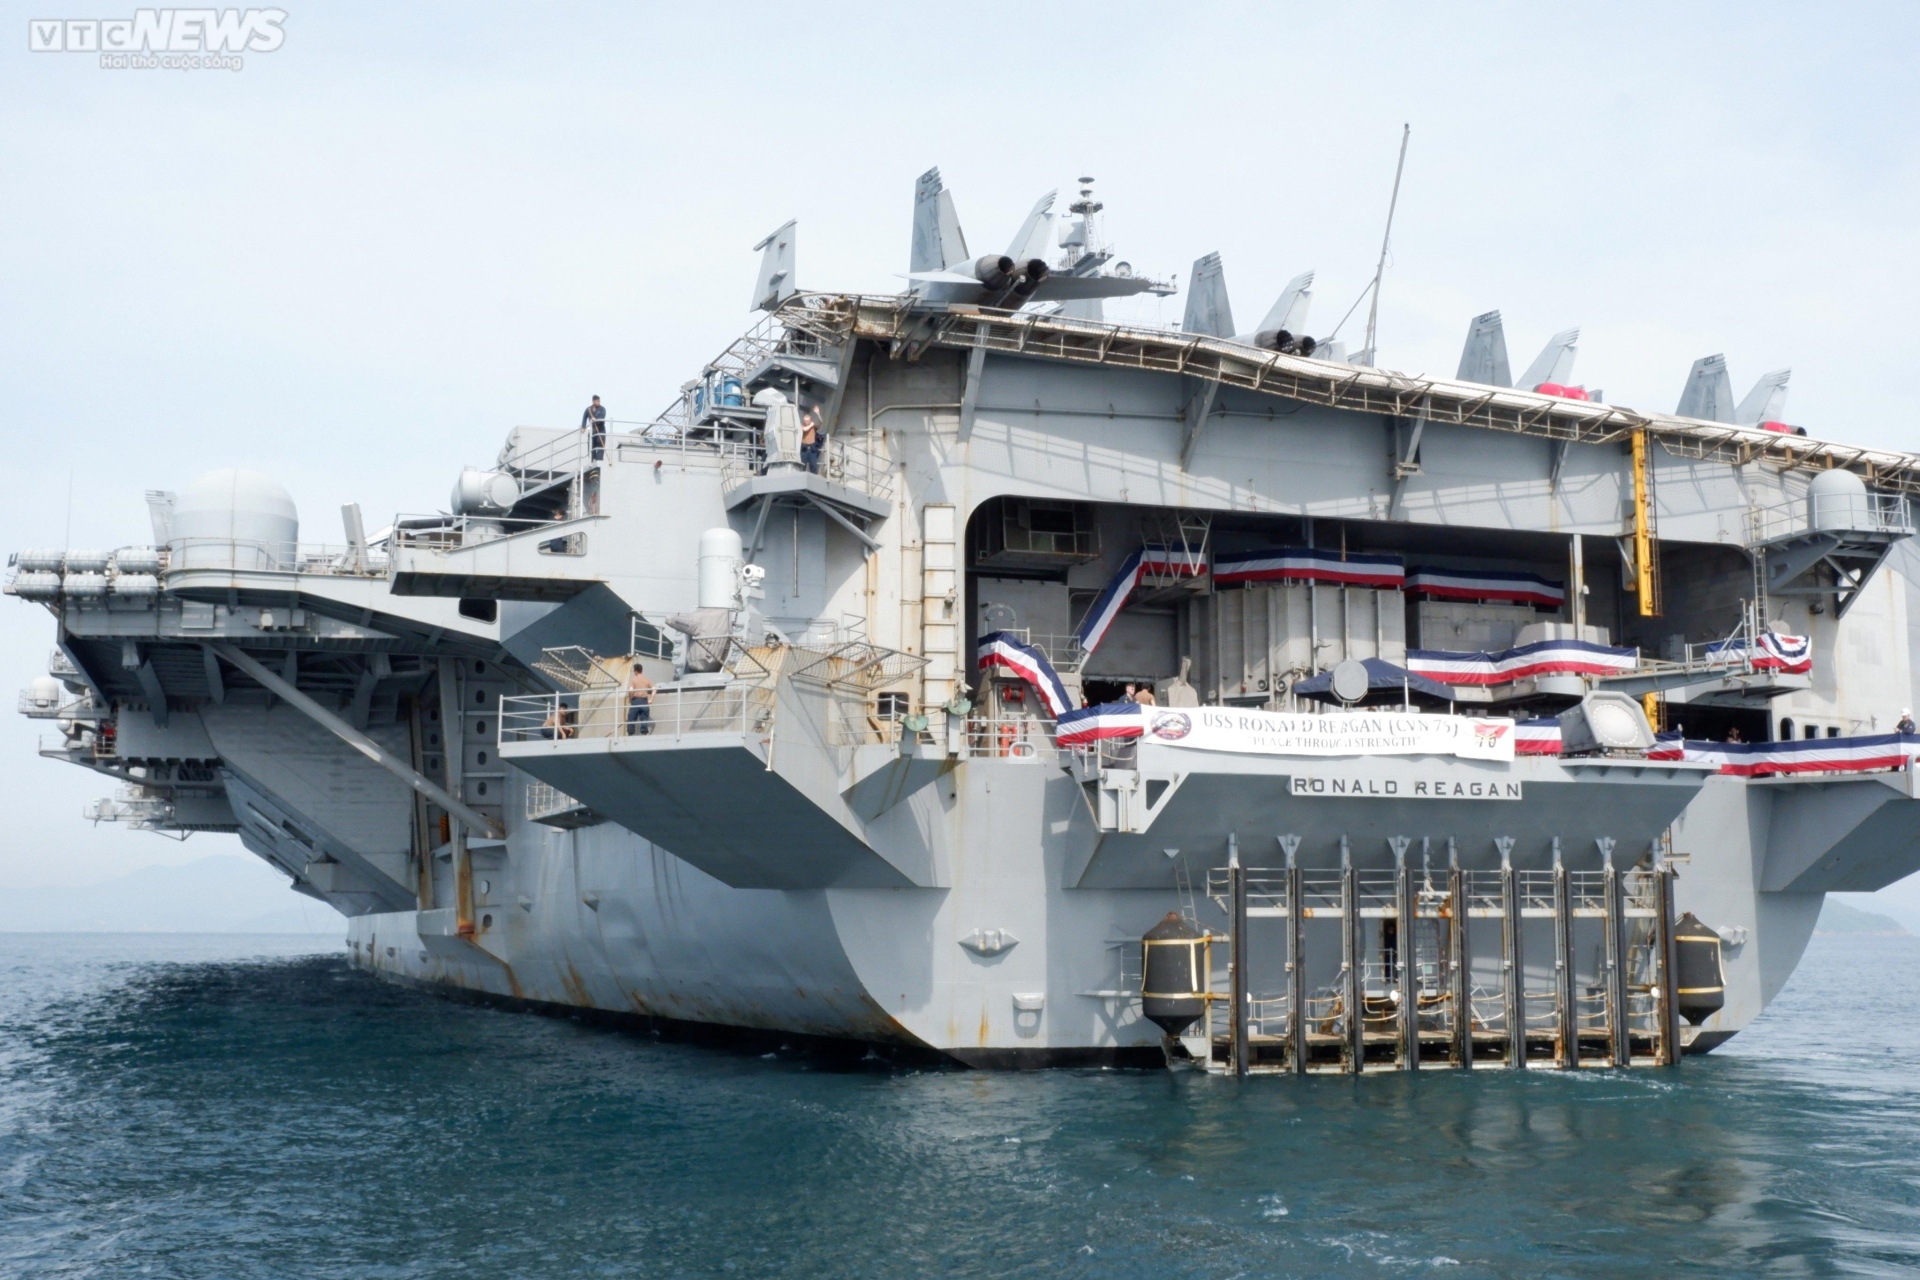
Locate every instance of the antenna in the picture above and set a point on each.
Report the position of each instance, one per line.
(1373, 310)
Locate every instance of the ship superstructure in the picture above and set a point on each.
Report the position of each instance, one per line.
(1471, 723)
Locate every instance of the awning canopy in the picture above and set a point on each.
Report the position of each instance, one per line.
(1386, 683)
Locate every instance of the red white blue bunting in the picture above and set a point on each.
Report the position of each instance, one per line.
(1160, 562)
(1871, 753)
(1790, 655)
(1536, 738)
(1301, 564)
(1486, 584)
(1542, 658)
(1097, 724)
(999, 649)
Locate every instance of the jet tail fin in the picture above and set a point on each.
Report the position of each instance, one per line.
(1767, 402)
(1289, 311)
(775, 283)
(1484, 358)
(1709, 391)
(1555, 361)
(1208, 311)
(1031, 240)
(937, 242)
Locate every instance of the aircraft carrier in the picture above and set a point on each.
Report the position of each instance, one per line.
(971, 671)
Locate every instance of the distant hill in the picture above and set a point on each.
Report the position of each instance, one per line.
(213, 895)
(1839, 918)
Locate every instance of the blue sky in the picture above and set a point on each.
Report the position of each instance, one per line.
(358, 261)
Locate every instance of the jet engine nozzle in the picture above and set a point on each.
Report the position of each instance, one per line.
(995, 270)
(1033, 272)
(1285, 343)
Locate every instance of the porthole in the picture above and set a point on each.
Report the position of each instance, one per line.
(483, 788)
(486, 922)
(482, 757)
(483, 728)
(479, 668)
(480, 697)
(486, 886)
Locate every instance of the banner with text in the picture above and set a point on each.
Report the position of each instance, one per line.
(1277, 733)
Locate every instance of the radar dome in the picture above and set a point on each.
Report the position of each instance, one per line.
(1837, 499)
(234, 519)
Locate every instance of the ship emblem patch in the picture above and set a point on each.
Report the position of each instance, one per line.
(1172, 726)
(1489, 735)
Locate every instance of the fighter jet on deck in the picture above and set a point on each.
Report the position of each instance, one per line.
(942, 269)
(1484, 360)
(1708, 395)
(1209, 312)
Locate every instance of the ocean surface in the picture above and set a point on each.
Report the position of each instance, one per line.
(240, 1107)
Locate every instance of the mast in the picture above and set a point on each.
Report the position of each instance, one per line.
(1373, 308)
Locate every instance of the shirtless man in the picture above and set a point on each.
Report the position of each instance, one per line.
(639, 702)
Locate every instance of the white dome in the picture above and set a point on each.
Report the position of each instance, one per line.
(233, 518)
(1837, 499)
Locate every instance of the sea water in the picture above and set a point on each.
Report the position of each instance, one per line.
(243, 1107)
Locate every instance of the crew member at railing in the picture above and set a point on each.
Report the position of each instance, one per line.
(811, 439)
(639, 702)
(1906, 721)
(559, 723)
(594, 420)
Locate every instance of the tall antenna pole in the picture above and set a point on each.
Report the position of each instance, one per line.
(1373, 309)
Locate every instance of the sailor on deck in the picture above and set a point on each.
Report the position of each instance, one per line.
(639, 702)
(810, 439)
(594, 420)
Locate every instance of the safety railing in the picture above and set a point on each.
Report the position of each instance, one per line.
(1587, 893)
(1010, 738)
(1268, 1015)
(1379, 893)
(1062, 652)
(544, 456)
(833, 457)
(1639, 893)
(1852, 513)
(248, 554)
(446, 533)
(775, 334)
(613, 713)
(1536, 892)
(707, 442)
(647, 639)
